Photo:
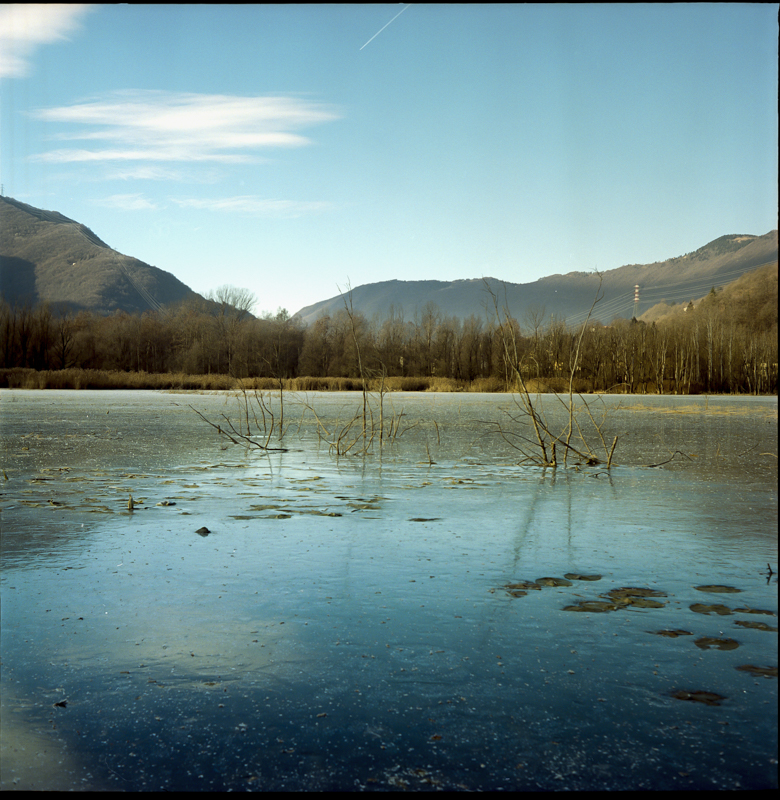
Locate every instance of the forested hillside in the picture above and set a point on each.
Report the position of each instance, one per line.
(727, 342)
(47, 257)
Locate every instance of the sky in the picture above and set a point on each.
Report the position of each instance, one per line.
(295, 150)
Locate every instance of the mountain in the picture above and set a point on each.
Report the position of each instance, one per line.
(750, 301)
(45, 256)
(569, 296)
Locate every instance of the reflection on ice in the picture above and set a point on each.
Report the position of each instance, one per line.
(297, 620)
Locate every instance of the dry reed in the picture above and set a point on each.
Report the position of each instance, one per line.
(77, 378)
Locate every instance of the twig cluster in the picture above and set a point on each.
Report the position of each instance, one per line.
(540, 444)
(242, 432)
(256, 422)
(369, 423)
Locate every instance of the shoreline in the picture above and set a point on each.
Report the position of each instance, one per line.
(77, 378)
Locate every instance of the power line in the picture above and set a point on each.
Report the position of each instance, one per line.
(670, 292)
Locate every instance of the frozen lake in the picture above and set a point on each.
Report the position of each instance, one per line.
(346, 623)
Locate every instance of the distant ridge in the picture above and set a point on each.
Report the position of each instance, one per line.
(568, 297)
(56, 217)
(48, 257)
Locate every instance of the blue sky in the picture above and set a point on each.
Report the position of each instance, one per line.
(283, 150)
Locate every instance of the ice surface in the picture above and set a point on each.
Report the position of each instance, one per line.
(344, 623)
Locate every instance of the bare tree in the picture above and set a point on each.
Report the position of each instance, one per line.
(63, 342)
(233, 300)
(534, 319)
(540, 445)
(234, 307)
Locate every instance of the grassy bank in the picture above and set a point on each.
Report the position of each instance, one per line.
(25, 378)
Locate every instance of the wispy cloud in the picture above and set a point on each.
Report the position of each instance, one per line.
(256, 206)
(180, 127)
(26, 26)
(145, 172)
(127, 202)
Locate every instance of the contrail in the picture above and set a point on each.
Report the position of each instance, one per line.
(383, 27)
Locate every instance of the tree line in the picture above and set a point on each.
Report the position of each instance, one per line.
(717, 346)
